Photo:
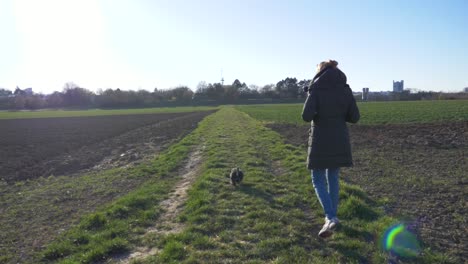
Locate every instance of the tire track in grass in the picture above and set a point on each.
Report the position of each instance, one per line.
(172, 206)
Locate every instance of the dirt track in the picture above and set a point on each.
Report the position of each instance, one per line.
(172, 206)
(420, 168)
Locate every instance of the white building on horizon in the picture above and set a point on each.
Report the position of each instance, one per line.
(398, 86)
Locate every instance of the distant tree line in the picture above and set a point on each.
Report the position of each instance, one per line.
(286, 90)
(74, 96)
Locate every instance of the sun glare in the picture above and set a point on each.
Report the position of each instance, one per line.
(63, 41)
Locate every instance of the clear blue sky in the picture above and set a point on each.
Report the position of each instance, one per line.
(132, 44)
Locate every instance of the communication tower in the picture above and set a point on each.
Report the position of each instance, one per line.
(222, 78)
(365, 94)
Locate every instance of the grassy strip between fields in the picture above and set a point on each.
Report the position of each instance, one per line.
(99, 112)
(273, 216)
(396, 112)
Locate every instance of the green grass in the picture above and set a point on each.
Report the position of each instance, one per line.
(372, 112)
(98, 112)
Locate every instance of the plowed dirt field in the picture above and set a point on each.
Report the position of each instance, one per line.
(60, 146)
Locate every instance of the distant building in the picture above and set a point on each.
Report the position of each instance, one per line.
(28, 91)
(398, 86)
(465, 90)
(365, 94)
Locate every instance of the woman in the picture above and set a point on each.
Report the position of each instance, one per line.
(329, 105)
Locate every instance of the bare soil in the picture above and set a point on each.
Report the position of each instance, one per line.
(420, 169)
(32, 148)
(167, 222)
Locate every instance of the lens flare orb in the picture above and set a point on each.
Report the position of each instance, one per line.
(398, 240)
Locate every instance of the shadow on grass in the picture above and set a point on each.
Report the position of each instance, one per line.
(355, 233)
(257, 193)
(351, 254)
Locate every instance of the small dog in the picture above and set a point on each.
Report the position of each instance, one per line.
(236, 176)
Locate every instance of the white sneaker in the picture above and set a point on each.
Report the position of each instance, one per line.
(333, 223)
(326, 231)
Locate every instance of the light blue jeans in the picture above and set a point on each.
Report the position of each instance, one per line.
(326, 186)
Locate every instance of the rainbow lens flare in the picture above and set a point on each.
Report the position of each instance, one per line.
(398, 240)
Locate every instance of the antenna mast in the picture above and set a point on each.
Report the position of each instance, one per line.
(222, 78)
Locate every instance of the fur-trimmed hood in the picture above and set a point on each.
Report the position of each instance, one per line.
(328, 78)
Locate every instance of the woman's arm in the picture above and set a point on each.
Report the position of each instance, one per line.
(310, 106)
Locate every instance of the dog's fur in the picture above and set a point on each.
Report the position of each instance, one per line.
(236, 176)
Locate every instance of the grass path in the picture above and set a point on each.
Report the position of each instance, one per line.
(273, 217)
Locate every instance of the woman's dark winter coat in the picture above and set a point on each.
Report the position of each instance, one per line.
(329, 105)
